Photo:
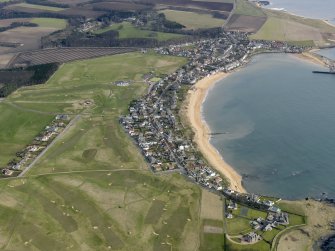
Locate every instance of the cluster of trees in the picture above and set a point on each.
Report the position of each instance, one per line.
(17, 24)
(8, 14)
(13, 79)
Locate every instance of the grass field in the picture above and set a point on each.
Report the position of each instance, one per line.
(18, 131)
(38, 7)
(50, 22)
(127, 30)
(285, 27)
(192, 20)
(244, 7)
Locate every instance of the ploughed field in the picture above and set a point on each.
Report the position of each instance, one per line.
(62, 55)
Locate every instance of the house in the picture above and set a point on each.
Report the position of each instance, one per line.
(229, 216)
(255, 225)
(267, 227)
(6, 172)
(232, 205)
(33, 148)
(268, 203)
(62, 117)
(251, 237)
(274, 209)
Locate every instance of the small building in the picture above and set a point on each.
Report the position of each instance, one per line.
(267, 227)
(6, 172)
(255, 225)
(232, 205)
(268, 203)
(274, 209)
(251, 237)
(62, 117)
(229, 216)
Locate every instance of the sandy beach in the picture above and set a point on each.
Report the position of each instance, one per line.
(194, 103)
(309, 56)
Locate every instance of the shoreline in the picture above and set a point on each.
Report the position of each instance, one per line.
(310, 58)
(195, 98)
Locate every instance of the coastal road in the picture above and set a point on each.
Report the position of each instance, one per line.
(72, 122)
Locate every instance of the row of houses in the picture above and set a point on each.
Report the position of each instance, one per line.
(30, 152)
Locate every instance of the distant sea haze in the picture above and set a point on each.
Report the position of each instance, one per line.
(321, 9)
(278, 120)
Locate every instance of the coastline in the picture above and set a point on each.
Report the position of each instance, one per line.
(311, 58)
(195, 99)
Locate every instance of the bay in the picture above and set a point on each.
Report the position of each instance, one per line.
(278, 119)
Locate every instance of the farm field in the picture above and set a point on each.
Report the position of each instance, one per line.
(28, 38)
(55, 23)
(92, 190)
(62, 55)
(244, 7)
(285, 27)
(192, 20)
(37, 7)
(8, 22)
(125, 6)
(246, 17)
(127, 30)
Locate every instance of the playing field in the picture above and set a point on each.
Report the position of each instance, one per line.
(127, 30)
(192, 20)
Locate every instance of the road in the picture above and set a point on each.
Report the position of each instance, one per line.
(72, 122)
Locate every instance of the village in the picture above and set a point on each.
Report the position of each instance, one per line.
(153, 121)
(31, 152)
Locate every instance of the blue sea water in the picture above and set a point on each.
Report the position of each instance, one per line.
(321, 9)
(279, 124)
(329, 53)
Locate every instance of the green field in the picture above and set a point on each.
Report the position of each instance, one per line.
(244, 7)
(17, 129)
(300, 31)
(192, 20)
(50, 22)
(92, 190)
(38, 7)
(127, 30)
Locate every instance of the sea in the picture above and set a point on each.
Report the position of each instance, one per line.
(277, 125)
(321, 9)
(329, 53)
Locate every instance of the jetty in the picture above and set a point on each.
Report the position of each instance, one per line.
(325, 72)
